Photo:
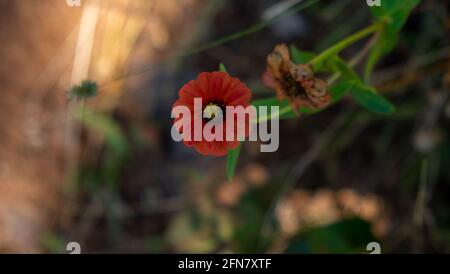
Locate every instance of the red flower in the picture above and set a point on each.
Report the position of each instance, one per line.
(217, 90)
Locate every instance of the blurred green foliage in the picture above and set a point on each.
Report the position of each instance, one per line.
(345, 236)
(85, 90)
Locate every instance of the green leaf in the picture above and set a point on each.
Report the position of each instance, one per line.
(394, 13)
(247, 236)
(303, 57)
(54, 243)
(232, 158)
(344, 236)
(340, 90)
(369, 98)
(385, 43)
(222, 67)
(299, 56)
(338, 65)
(103, 124)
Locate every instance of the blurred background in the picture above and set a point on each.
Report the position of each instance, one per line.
(105, 172)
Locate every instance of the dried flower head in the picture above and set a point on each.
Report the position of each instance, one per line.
(294, 82)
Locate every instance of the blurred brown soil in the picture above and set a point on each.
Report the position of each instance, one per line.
(38, 42)
(31, 115)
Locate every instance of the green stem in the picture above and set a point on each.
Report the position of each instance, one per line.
(266, 118)
(255, 28)
(335, 49)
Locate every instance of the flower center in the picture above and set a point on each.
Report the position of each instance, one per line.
(291, 87)
(212, 110)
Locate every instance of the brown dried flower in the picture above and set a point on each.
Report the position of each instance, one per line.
(294, 82)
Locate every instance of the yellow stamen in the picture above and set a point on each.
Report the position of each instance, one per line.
(211, 110)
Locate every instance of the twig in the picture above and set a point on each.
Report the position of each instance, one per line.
(420, 205)
(428, 64)
(358, 58)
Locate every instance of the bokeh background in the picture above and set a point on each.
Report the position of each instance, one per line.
(104, 172)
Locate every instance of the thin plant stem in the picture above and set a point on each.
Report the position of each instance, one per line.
(235, 36)
(358, 58)
(255, 28)
(338, 47)
(420, 206)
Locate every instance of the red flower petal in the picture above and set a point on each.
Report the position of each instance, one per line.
(219, 88)
(268, 80)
